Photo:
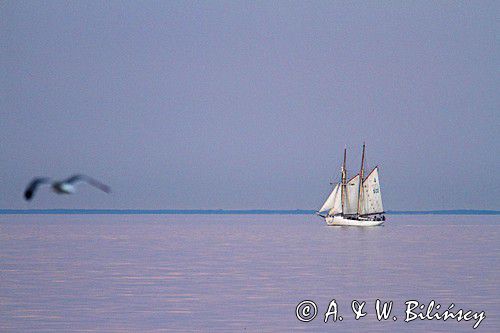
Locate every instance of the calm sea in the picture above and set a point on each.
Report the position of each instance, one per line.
(187, 273)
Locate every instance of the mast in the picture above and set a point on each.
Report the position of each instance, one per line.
(361, 179)
(342, 188)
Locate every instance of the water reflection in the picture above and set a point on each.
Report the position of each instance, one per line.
(192, 273)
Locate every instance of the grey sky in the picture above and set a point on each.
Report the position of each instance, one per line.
(249, 104)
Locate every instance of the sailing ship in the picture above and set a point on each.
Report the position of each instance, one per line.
(355, 202)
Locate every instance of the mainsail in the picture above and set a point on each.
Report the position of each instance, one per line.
(371, 202)
(351, 198)
(333, 204)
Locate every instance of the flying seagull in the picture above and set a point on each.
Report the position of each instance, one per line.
(63, 187)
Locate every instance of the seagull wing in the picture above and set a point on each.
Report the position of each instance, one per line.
(30, 190)
(83, 178)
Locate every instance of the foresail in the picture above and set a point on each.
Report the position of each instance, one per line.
(372, 197)
(337, 202)
(333, 203)
(352, 190)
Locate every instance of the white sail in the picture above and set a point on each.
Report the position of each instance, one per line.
(371, 200)
(333, 204)
(337, 202)
(352, 190)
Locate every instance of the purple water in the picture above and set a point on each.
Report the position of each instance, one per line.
(187, 273)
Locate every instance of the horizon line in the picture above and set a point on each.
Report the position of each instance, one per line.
(60, 211)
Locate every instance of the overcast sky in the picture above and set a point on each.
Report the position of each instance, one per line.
(187, 105)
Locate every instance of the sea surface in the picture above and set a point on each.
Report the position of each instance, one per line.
(234, 273)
